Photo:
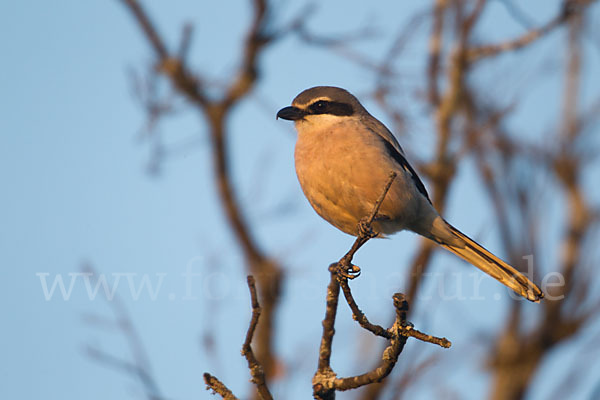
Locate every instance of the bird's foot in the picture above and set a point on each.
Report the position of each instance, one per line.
(345, 270)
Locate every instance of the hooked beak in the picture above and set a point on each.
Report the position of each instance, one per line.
(291, 113)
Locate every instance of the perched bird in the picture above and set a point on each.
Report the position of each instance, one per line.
(344, 157)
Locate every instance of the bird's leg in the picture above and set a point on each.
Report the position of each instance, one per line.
(365, 226)
(365, 229)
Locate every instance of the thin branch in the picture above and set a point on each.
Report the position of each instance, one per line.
(256, 370)
(139, 367)
(568, 9)
(131, 368)
(148, 28)
(364, 228)
(409, 331)
(218, 387)
(435, 48)
(331, 304)
(257, 38)
(255, 315)
(517, 14)
(185, 43)
(359, 316)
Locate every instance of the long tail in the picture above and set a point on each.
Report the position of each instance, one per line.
(475, 254)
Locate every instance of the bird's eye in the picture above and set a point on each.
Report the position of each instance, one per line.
(319, 107)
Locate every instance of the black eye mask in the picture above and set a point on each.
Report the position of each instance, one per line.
(330, 107)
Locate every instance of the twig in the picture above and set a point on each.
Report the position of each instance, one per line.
(255, 314)
(517, 14)
(147, 27)
(435, 48)
(324, 376)
(131, 368)
(213, 383)
(569, 8)
(365, 232)
(359, 316)
(377, 205)
(139, 367)
(409, 331)
(184, 44)
(256, 370)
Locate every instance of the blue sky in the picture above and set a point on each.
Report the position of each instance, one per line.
(76, 191)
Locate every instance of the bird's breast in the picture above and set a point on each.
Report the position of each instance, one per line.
(343, 169)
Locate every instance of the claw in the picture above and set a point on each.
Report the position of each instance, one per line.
(347, 271)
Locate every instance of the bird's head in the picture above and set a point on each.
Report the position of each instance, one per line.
(321, 105)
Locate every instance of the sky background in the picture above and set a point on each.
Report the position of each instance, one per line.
(78, 189)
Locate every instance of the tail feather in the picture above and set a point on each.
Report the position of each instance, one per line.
(477, 255)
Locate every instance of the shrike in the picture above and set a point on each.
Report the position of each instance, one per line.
(343, 160)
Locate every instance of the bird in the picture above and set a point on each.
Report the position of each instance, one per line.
(343, 159)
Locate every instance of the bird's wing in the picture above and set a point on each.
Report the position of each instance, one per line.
(375, 126)
(401, 160)
(395, 151)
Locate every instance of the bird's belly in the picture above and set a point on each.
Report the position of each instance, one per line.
(341, 214)
(342, 180)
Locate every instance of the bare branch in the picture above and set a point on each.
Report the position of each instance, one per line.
(409, 331)
(130, 368)
(435, 48)
(148, 28)
(333, 292)
(185, 43)
(359, 316)
(568, 10)
(218, 387)
(256, 370)
(517, 14)
(139, 367)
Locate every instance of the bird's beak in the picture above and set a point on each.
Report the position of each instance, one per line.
(291, 113)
